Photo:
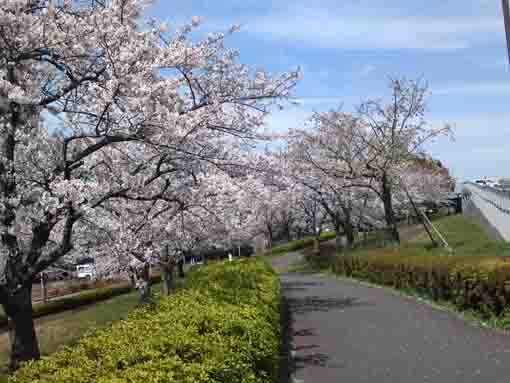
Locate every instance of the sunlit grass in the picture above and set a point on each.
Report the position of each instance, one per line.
(464, 236)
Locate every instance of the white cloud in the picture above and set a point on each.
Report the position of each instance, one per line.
(367, 69)
(323, 102)
(289, 118)
(324, 28)
(479, 147)
(478, 88)
(488, 126)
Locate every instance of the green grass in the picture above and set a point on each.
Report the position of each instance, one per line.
(465, 237)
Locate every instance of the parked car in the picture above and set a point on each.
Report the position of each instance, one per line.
(86, 271)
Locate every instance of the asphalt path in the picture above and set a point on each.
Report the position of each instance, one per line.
(345, 331)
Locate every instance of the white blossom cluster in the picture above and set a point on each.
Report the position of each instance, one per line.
(120, 138)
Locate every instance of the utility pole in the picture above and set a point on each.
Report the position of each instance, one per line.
(506, 18)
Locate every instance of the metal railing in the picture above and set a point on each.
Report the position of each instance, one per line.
(493, 203)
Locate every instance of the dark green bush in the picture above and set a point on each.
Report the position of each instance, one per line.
(480, 283)
(323, 259)
(299, 244)
(223, 326)
(84, 298)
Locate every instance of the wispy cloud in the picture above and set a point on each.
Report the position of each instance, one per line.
(323, 28)
(324, 102)
(289, 118)
(478, 148)
(491, 126)
(478, 88)
(367, 69)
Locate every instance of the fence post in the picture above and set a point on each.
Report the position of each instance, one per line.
(44, 289)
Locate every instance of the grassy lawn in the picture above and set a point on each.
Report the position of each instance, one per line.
(67, 327)
(464, 236)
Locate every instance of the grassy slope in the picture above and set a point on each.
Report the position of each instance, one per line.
(464, 236)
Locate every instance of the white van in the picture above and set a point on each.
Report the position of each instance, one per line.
(86, 271)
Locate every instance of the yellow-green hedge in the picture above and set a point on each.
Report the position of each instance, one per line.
(481, 283)
(222, 327)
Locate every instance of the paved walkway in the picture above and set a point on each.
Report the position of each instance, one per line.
(346, 332)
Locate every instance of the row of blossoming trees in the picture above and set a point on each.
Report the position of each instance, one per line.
(357, 171)
(134, 144)
(145, 126)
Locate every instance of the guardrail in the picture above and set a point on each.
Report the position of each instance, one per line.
(496, 197)
(493, 203)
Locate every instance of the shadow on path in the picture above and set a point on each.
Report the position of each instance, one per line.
(336, 330)
(315, 303)
(293, 357)
(299, 286)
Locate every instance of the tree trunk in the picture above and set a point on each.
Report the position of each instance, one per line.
(180, 268)
(22, 336)
(349, 233)
(338, 239)
(132, 276)
(389, 214)
(145, 284)
(145, 291)
(167, 279)
(270, 238)
(316, 246)
(288, 232)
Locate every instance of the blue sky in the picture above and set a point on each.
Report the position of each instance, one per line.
(348, 49)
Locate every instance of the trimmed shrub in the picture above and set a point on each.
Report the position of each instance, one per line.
(299, 244)
(223, 326)
(84, 298)
(480, 283)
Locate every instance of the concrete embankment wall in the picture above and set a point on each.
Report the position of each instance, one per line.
(470, 210)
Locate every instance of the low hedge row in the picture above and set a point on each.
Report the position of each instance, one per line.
(84, 298)
(480, 283)
(223, 326)
(299, 244)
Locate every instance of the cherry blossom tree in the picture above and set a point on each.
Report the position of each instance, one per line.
(99, 113)
(319, 166)
(372, 148)
(311, 217)
(393, 133)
